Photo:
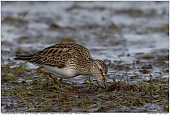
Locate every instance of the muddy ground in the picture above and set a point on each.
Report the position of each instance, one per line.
(131, 37)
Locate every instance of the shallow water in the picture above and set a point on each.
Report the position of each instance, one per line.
(124, 34)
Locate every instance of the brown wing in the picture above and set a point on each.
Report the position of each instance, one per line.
(58, 55)
(83, 52)
(52, 56)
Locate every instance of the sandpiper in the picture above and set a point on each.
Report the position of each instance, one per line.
(67, 60)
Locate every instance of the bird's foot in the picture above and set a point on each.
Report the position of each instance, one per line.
(47, 75)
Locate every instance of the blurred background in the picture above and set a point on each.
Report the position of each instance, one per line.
(130, 37)
(111, 28)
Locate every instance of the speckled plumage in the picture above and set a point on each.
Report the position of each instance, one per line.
(67, 60)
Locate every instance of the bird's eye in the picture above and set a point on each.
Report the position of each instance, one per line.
(101, 70)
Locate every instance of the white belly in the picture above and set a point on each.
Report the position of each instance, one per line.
(61, 73)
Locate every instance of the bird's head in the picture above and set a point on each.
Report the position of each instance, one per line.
(99, 69)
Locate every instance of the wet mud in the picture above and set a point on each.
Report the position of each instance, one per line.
(131, 37)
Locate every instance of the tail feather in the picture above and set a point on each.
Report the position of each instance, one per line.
(23, 57)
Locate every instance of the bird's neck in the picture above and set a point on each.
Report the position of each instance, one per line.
(88, 69)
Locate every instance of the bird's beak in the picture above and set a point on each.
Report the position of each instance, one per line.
(104, 81)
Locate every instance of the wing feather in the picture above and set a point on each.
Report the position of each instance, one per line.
(59, 54)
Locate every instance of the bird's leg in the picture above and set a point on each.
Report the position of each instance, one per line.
(40, 72)
(104, 83)
(60, 80)
(90, 82)
(54, 79)
(48, 74)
